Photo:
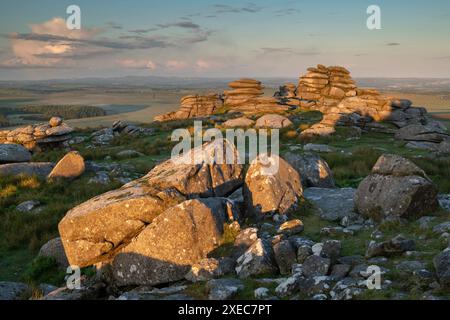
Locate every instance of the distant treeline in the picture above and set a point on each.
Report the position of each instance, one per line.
(65, 112)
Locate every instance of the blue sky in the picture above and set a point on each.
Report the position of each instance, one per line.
(222, 38)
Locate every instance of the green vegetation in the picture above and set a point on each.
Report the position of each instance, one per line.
(44, 270)
(22, 234)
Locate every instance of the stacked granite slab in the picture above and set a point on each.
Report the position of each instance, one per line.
(326, 87)
(246, 96)
(55, 132)
(194, 106)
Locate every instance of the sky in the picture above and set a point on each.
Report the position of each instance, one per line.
(203, 38)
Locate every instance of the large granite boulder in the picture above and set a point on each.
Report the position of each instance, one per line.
(271, 186)
(71, 166)
(241, 122)
(175, 240)
(94, 230)
(396, 188)
(313, 170)
(11, 153)
(39, 169)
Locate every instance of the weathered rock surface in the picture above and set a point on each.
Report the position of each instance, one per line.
(316, 266)
(273, 121)
(291, 227)
(11, 153)
(258, 259)
(396, 187)
(194, 106)
(442, 266)
(55, 249)
(246, 97)
(241, 122)
(175, 240)
(285, 256)
(271, 186)
(94, 230)
(71, 166)
(223, 289)
(313, 170)
(210, 268)
(39, 169)
(332, 204)
(12, 290)
(394, 246)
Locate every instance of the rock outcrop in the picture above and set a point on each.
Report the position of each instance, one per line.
(95, 230)
(106, 135)
(431, 137)
(396, 188)
(332, 91)
(39, 135)
(194, 106)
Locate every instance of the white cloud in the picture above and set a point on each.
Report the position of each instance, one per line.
(176, 64)
(138, 64)
(203, 64)
(47, 53)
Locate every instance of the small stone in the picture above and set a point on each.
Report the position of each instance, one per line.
(323, 148)
(291, 227)
(55, 121)
(288, 286)
(261, 293)
(395, 246)
(28, 206)
(317, 248)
